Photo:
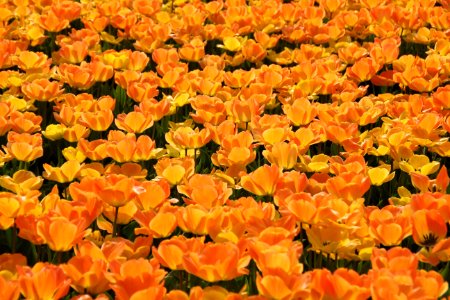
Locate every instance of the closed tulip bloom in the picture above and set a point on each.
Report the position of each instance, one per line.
(87, 274)
(116, 190)
(205, 190)
(158, 225)
(175, 170)
(282, 154)
(42, 89)
(135, 275)
(66, 173)
(59, 233)
(10, 289)
(134, 122)
(188, 138)
(217, 262)
(170, 252)
(262, 181)
(152, 194)
(21, 182)
(43, 281)
(25, 147)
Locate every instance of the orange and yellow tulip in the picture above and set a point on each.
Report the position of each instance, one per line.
(262, 181)
(175, 170)
(134, 122)
(205, 190)
(21, 182)
(24, 147)
(170, 252)
(43, 281)
(216, 262)
(59, 233)
(87, 274)
(131, 277)
(428, 227)
(152, 194)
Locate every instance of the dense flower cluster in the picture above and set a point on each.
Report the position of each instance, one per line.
(224, 149)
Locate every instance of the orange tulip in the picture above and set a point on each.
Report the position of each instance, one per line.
(390, 225)
(253, 51)
(385, 51)
(349, 186)
(262, 181)
(152, 194)
(59, 233)
(243, 111)
(363, 69)
(193, 51)
(208, 110)
(116, 190)
(300, 112)
(275, 252)
(239, 78)
(73, 53)
(350, 52)
(170, 252)
(278, 285)
(394, 273)
(270, 129)
(25, 122)
(87, 274)
(157, 225)
(70, 134)
(226, 225)
(282, 154)
(125, 147)
(156, 109)
(30, 61)
(205, 190)
(143, 89)
(21, 182)
(42, 89)
(95, 150)
(188, 138)
(162, 55)
(175, 170)
(441, 97)
(134, 122)
(216, 262)
(98, 120)
(10, 289)
(428, 227)
(193, 218)
(66, 173)
(302, 206)
(124, 215)
(24, 147)
(290, 183)
(131, 277)
(79, 77)
(43, 281)
(236, 152)
(126, 77)
(342, 284)
(27, 225)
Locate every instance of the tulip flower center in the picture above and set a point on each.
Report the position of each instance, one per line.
(429, 239)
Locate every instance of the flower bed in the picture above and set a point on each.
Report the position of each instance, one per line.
(224, 149)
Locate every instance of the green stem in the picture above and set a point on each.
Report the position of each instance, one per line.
(116, 215)
(251, 286)
(14, 238)
(34, 253)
